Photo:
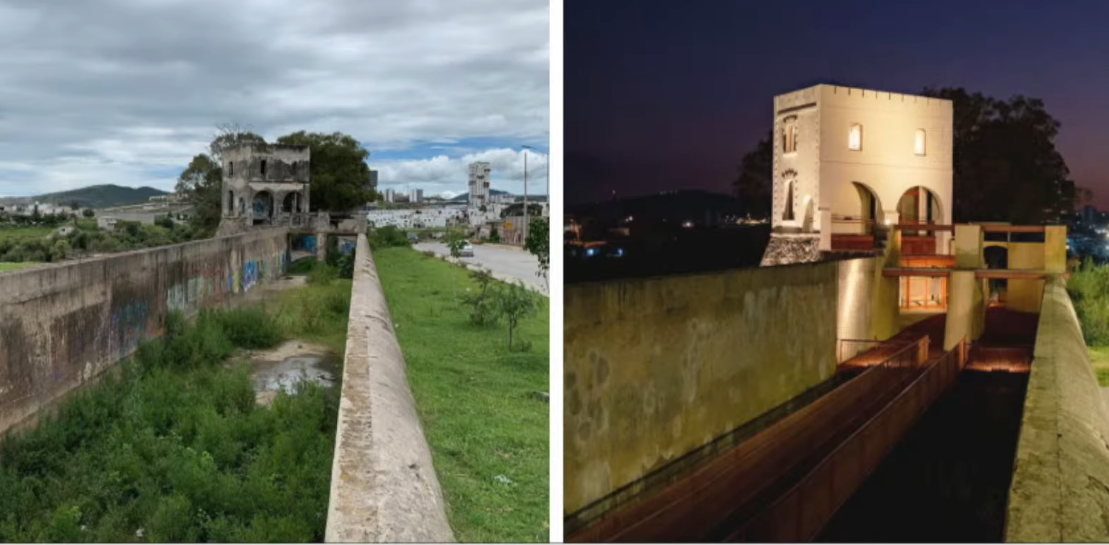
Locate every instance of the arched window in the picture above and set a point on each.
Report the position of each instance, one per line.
(231, 168)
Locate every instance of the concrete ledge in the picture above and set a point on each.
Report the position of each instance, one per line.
(1060, 490)
(383, 485)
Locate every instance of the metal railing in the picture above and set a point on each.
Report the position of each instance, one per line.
(870, 352)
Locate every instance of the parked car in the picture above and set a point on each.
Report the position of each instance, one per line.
(467, 250)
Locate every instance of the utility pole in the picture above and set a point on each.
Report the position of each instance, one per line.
(526, 148)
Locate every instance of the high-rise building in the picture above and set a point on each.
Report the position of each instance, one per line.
(415, 195)
(390, 195)
(479, 183)
(373, 180)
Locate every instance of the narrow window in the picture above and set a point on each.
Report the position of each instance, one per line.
(263, 168)
(789, 139)
(231, 168)
(920, 142)
(855, 137)
(231, 202)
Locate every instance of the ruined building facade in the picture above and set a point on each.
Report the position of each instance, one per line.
(264, 185)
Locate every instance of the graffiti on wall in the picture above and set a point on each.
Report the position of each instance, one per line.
(128, 327)
(346, 245)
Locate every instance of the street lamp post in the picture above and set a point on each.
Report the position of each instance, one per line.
(526, 148)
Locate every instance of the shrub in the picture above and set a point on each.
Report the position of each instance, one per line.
(322, 274)
(388, 236)
(515, 302)
(346, 265)
(250, 327)
(1088, 287)
(483, 307)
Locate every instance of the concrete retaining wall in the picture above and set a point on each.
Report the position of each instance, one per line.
(657, 367)
(62, 324)
(1060, 490)
(383, 485)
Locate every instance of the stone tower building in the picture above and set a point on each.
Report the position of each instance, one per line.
(849, 163)
(264, 185)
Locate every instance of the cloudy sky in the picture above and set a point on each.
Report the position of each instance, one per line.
(127, 91)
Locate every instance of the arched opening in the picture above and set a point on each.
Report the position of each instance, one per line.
(787, 212)
(289, 203)
(918, 205)
(242, 206)
(262, 206)
(807, 222)
(853, 227)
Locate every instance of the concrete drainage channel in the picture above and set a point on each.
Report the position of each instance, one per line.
(383, 485)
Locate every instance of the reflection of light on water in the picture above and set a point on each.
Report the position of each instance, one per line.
(285, 375)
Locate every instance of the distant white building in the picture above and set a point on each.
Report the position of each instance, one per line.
(390, 195)
(415, 195)
(106, 223)
(429, 217)
(479, 184)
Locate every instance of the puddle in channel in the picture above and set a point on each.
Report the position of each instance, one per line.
(282, 368)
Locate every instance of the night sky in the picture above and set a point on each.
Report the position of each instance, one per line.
(670, 94)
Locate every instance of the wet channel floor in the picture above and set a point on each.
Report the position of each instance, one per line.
(284, 367)
(948, 479)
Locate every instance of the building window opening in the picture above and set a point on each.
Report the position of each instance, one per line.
(919, 143)
(855, 137)
(230, 202)
(263, 168)
(231, 168)
(787, 214)
(789, 138)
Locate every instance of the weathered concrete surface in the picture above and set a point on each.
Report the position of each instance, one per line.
(61, 325)
(383, 485)
(1060, 490)
(657, 367)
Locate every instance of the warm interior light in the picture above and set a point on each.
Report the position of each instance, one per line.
(855, 137)
(920, 141)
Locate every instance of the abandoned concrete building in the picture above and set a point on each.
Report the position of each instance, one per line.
(265, 185)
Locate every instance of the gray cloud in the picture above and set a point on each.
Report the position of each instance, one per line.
(126, 91)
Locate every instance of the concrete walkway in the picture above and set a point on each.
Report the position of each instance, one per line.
(508, 263)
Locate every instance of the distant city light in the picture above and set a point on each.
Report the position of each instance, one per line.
(687, 224)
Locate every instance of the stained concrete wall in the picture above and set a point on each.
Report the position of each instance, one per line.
(383, 485)
(657, 367)
(62, 324)
(1060, 489)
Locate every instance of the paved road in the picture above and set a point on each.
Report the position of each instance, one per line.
(506, 262)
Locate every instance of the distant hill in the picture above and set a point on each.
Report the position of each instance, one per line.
(97, 196)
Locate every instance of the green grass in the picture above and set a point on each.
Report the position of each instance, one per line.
(19, 234)
(1099, 357)
(488, 433)
(13, 266)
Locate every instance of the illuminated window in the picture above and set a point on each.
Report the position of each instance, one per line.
(787, 213)
(920, 142)
(855, 137)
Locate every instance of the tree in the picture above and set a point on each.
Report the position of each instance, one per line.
(753, 186)
(340, 175)
(88, 213)
(201, 183)
(539, 244)
(515, 302)
(1006, 167)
